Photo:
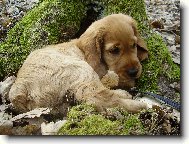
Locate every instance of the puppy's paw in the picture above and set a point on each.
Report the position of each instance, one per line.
(110, 80)
(122, 94)
(133, 105)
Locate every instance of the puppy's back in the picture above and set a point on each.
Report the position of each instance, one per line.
(43, 79)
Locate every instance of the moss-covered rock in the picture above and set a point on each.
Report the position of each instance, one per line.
(159, 64)
(50, 22)
(134, 8)
(85, 120)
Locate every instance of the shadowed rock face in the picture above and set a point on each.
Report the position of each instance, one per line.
(94, 12)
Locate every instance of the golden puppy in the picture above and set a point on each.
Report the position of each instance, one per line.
(117, 47)
(111, 43)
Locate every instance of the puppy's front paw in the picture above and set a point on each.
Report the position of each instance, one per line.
(122, 94)
(133, 105)
(110, 80)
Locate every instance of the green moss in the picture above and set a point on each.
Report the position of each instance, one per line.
(158, 64)
(90, 125)
(81, 111)
(131, 7)
(133, 125)
(50, 22)
(84, 120)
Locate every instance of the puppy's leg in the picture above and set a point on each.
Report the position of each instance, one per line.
(95, 93)
(115, 98)
(122, 94)
(132, 105)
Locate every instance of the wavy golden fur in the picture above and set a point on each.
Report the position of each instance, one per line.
(110, 44)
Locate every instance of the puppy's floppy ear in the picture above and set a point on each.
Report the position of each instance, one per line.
(91, 43)
(142, 51)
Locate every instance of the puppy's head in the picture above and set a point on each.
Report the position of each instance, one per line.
(113, 43)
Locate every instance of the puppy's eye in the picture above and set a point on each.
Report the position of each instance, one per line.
(115, 50)
(134, 45)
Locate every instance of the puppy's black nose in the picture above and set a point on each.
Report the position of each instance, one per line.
(132, 72)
